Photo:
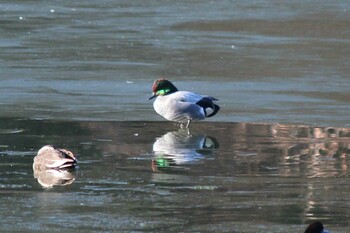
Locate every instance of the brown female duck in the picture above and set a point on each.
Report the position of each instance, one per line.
(49, 157)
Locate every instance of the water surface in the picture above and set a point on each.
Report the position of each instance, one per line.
(77, 74)
(267, 61)
(151, 176)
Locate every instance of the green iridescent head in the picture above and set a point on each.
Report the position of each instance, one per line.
(162, 87)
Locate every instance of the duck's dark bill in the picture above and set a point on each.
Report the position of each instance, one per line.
(153, 96)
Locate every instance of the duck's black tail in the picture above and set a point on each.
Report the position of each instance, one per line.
(216, 109)
(208, 102)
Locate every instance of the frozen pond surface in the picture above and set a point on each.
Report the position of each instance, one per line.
(150, 176)
(77, 74)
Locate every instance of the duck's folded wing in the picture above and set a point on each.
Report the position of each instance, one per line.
(186, 96)
(61, 163)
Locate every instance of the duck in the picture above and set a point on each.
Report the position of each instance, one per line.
(49, 157)
(181, 106)
(316, 227)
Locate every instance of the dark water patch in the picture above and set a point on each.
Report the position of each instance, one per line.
(301, 27)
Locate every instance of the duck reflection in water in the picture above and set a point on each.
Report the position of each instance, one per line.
(181, 147)
(53, 166)
(52, 177)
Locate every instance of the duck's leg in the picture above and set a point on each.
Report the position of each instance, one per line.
(188, 123)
